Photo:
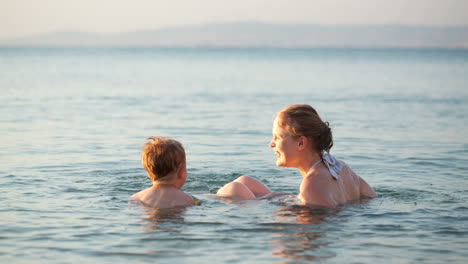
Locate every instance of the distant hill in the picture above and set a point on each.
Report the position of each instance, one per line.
(263, 35)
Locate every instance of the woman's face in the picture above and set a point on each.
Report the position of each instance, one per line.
(284, 145)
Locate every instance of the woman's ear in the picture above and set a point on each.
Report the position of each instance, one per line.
(302, 143)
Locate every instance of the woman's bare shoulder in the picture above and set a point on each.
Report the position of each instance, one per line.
(317, 189)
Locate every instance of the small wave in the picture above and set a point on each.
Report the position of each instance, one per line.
(461, 208)
(155, 254)
(74, 190)
(451, 231)
(386, 227)
(204, 223)
(60, 249)
(385, 215)
(185, 239)
(244, 230)
(404, 194)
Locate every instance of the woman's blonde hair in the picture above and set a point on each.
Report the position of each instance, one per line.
(161, 156)
(303, 120)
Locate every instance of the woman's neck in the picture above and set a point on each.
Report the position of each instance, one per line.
(307, 162)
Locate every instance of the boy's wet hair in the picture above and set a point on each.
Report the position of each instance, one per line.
(161, 156)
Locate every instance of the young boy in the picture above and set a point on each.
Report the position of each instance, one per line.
(164, 161)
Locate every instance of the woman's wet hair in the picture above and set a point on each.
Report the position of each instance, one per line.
(302, 120)
(161, 156)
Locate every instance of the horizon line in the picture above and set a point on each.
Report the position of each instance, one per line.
(247, 22)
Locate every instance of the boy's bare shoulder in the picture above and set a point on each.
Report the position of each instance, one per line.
(140, 194)
(162, 198)
(136, 196)
(146, 197)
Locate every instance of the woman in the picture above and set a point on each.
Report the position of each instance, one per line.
(302, 140)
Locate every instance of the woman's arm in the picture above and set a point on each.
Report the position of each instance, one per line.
(365, 189)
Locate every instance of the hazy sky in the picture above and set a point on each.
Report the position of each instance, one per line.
(27, 17)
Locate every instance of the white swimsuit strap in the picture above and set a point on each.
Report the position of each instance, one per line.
(313, 166)
(334, 166)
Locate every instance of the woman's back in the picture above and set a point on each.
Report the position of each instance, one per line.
(319, 187)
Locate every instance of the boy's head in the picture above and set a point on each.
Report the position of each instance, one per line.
(162, 156)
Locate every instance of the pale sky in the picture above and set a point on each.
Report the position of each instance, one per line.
(29, 17)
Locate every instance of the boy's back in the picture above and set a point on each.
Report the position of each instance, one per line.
(163, 197)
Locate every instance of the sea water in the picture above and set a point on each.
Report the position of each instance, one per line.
(72, 122)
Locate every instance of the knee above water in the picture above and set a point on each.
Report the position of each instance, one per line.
(243, 178)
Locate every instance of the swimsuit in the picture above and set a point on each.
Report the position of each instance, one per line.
(334, 166)
(315, 164)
